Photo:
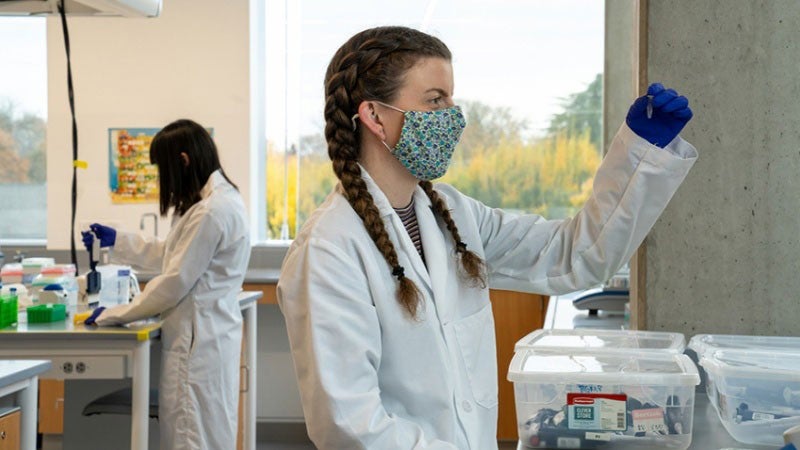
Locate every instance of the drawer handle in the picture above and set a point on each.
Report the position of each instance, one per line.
(2, 434)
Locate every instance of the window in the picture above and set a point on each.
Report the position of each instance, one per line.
(23, 116)
(527, 73)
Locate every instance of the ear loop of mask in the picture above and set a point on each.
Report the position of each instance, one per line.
(356, 116)
(391, 150)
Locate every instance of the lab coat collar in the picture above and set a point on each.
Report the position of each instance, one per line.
(422, 206)
(214, 180)
(382, 202)
(436, 249)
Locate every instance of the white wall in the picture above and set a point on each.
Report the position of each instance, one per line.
(191, 62)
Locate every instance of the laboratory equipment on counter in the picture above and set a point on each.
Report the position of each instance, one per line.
(582, 400)
(47, 313)
(612, 296)
(53, 278)
(562, 314)
(757, 392)
(93, 279)
(8, 308)
(11, 273)
(604, 299)
(702, 344)
(54, 293)
(23, 299)
(598, 340)
(119, 284)
(33, 266)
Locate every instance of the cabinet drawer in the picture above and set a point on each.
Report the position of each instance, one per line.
(9, 431)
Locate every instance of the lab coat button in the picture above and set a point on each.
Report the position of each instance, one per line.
(467, 407)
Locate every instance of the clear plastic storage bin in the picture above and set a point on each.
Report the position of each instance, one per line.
(603, 400)
(702, 344)
(757, 392)
(33, 266)
(603, 340)
(11, 273)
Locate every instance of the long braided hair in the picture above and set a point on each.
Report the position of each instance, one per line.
(371, 66)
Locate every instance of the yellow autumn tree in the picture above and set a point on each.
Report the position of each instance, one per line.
(293, 178)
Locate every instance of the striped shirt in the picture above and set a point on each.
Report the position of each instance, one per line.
(409, 218)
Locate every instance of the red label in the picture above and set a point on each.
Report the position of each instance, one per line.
(574, 398)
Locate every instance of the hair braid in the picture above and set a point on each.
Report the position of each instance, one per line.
(473, 267)
(370, 66)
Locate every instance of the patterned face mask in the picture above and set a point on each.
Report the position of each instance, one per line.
(427, 140)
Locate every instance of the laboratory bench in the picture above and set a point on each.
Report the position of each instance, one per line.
(514, 314)
(79, 352)
(263, 280)
(708, 433)
(19, 378)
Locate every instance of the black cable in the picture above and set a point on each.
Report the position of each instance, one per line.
(70, 92)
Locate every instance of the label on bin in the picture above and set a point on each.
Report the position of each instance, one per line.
(568, 442)
(595, 436)
(602, 412)
(649, 421)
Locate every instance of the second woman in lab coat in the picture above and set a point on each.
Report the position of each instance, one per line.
(201, 267)
(385, 289)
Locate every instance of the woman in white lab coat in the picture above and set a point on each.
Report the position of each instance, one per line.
(201, 268)
(385, 289)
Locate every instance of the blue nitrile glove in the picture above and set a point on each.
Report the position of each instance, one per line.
(670, 113)
(88, 240)
(107, 235)
(95, 314)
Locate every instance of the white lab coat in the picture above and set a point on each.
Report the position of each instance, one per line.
(202, 265)
(371, 378)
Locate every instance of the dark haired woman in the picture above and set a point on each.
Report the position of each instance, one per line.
(385, 289)
(201, 268)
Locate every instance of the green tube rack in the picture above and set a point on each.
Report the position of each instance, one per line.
(8, 310)
(49, 312)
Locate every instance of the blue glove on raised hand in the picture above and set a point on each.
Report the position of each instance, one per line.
(88, 239)
(95, 314)
(670, 113)
(107, 235)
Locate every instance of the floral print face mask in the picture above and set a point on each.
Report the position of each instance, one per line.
(428, 140)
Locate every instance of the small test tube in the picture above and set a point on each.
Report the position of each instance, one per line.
(649, 106)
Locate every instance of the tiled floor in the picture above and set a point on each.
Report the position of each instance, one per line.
(53, 443)
(308, 446)
(283, 446)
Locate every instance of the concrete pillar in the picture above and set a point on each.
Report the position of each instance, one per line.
(724, 257)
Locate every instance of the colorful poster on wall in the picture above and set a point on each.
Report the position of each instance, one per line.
(132, 179)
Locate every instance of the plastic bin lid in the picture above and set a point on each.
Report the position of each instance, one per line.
(11, 269)
(761, 364)
(703, 343)
(59, 269)
(38, 262)
(603, 340)
(632, 368)
(45, 280)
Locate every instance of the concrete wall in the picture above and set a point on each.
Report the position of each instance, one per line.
(724, 257)
(620, 70)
